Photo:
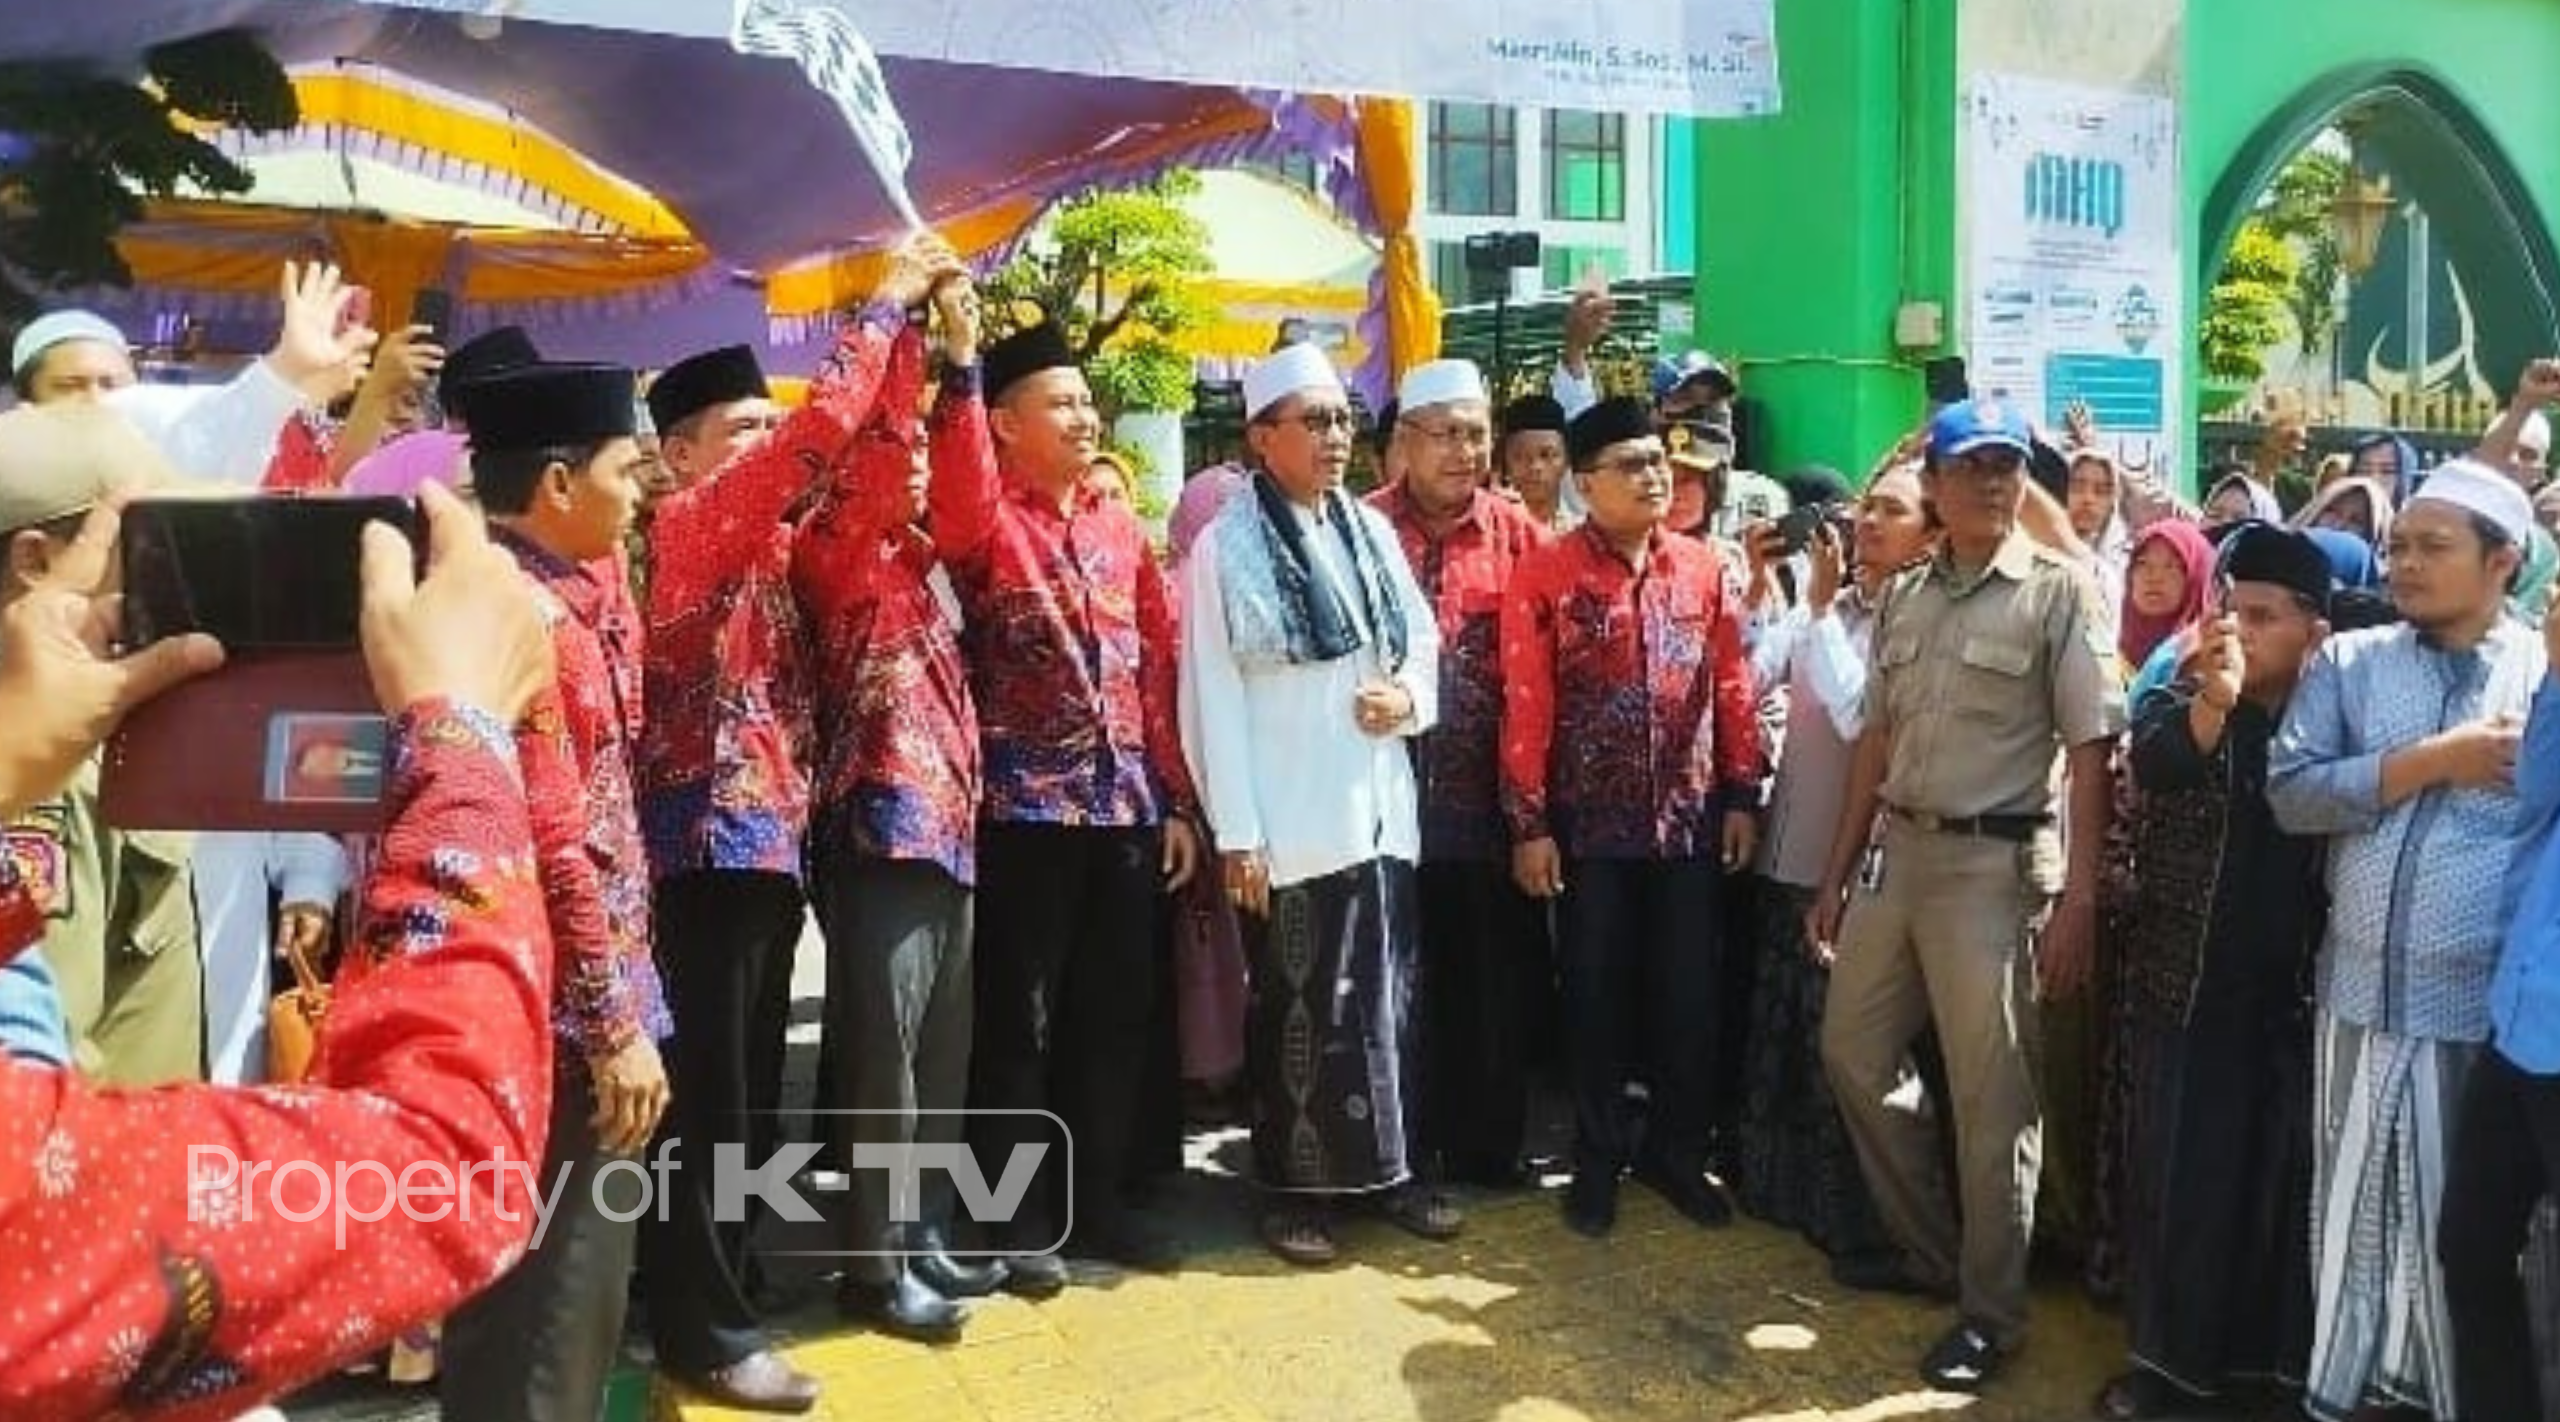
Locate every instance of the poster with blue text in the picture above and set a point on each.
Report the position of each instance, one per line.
(2073, 276)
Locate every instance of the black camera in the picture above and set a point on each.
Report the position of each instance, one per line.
(1496, 253)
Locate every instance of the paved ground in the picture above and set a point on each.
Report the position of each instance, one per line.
(1518, 1322)
(1521, 1321)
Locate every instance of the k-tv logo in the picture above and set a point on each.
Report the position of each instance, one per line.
(2086, 193)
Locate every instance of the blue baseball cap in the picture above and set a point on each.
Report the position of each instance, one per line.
(1670, 374)
(1985, 423)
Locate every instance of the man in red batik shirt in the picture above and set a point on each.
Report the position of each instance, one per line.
(1631, 765)
(893, 828)
(1072, 649)
(724, 794)
(1484, 943)
(553, 460)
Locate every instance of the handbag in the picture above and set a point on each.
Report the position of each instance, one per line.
(294, 1018)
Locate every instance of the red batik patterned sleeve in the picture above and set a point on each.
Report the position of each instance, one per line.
(594, 1000)
(1160, 648)
(1529, 691)
(149, 1274)
(961, 500)
(701, 538)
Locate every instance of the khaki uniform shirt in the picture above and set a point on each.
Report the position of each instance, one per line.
(1982, 681)
(120, 936)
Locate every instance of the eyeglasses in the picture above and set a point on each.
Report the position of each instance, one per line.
(1636, 465)
(1320, 420)
(1454, 435)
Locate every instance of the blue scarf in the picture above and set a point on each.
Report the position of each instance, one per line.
(1314, 625)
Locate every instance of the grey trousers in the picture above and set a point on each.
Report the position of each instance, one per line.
(899, 996)
(539, 1344)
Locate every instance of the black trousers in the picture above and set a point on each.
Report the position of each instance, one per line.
(1484, 953)
(898, 995)
(540, 1343)
(1066, 997)
(724, 946)
(2505, 1159)
(1642, 957)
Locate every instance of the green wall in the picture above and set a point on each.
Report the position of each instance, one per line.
(2262, 75)
(2247, 60)
(1816, 224)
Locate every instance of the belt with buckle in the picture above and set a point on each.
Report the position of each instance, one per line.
(2017, 829)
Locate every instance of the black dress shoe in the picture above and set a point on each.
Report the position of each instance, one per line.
(762, 1381)
(904, 1307)
(949, 1276)
(1129, 1241)
(1035, 1276)
(1591, 1202)
(1963, 1361)
(1688, 1192)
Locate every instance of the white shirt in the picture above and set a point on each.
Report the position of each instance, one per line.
(1831, 654)
(225, 434)
(1277, 751)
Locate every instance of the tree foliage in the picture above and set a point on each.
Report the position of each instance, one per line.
(2245, 312)
(1118, 269)
(2296, 208)
(2282, 269)
(79, 148)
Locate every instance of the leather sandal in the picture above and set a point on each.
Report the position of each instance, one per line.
(1425, 1213)
(1300, 1237)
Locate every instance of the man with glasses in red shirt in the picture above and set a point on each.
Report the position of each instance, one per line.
(1631, 770)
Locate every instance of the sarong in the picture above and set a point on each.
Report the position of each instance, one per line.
(1329, 1048)
(2381, 1330)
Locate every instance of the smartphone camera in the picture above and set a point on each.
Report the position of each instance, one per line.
(1796, 530)
(259, 574)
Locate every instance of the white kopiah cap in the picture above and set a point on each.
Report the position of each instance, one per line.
(2490, 493)
(53, 328)
(1440, 382)
(1284, 373)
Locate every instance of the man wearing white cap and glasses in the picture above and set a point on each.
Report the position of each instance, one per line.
(1484, 943)
(1308, 655)
(2400, 749)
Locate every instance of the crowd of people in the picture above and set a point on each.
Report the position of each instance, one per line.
(2000, 854)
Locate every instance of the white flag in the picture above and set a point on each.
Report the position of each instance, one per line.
(839, 62)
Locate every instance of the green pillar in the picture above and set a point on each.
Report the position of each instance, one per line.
(1815, 224)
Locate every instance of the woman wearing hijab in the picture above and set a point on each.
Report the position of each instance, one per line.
(2352, 505)
(2166, 582)
(2388, 460)
(2236, 494)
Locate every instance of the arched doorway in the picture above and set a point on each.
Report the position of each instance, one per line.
(2464, 236)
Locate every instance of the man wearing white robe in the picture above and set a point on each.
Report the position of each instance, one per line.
(1309, 657)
